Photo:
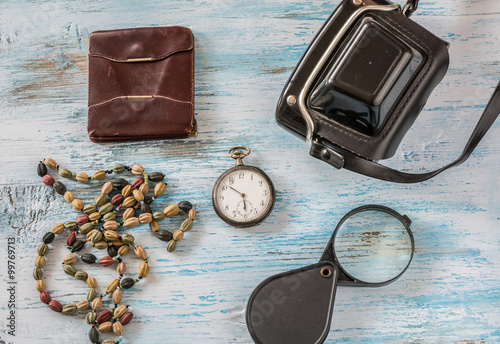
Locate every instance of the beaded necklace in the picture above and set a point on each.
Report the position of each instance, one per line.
(98, 224)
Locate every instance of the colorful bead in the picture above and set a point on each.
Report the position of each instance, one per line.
(131, 197)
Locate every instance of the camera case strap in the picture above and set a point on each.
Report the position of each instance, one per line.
(362, 83)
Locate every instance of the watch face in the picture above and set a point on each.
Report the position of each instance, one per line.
(243, 196)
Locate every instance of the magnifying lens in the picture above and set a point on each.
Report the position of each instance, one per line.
(372, 246)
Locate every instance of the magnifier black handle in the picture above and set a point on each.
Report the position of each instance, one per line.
(294, 307)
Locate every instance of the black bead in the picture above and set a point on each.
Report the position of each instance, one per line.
(164, 235)
(41, 169)
(89, 258)
(145, 208)
(185, 206)
(48, 237)
(156, 177)
(127, 283)
(119, 183)
(112, 251)
(148, 200)
(77, 246)
(59, 187)
(94, 335)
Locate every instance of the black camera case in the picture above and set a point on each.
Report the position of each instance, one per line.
(361, 84)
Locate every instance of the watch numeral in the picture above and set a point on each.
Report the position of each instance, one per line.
(226, 207)
(234, 213)
(266, 193)
(231, 180)
(261, 182)
(221, 198)
(251, 177)
(224, 188)
(262, 203)
(242, 175)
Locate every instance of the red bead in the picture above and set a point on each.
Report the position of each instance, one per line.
(82, 219)
(103, 316)
(117, 199)
(45, 297)
(137, 182)
(71, 239)
(48, 180)
(126, 318)
(55, 306)
(106, 261)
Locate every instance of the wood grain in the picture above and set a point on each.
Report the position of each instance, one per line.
(245, 51)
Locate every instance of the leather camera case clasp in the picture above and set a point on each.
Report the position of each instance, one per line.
(141, 84)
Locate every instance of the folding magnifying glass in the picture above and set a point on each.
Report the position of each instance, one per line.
(372, 246)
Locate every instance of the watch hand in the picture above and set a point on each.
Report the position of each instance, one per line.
(244, 205)
(234, 189)
(241, 194)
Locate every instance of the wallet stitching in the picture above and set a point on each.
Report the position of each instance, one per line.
(154, 58)
(403, 106)
(152, 97)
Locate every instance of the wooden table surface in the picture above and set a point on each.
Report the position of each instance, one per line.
(245, 51)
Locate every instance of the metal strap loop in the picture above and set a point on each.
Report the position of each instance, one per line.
(410, 7)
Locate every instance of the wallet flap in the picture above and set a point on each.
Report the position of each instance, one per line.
(140, 44)
(139, 118)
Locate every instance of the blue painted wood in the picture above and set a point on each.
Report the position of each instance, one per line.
(245, 51)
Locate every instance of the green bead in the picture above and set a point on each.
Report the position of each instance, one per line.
(81, 275)
(71, 226)
(89, 209)
(69, 270)
(119, 168)
(172, 244)
(65, 173)
(43, 249)
(69, 309)
(90, 317)
(100, 200)
(101, 245)
(91, 294)
(187, 225)
(37, 274)
(159, 216)
(106, 208)
(127, 239)
(96, 237)
(86, 228)
(109, 217)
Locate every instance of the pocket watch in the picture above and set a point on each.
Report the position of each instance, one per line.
(243, 196)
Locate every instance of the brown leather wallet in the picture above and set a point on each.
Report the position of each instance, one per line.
(141, 84)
